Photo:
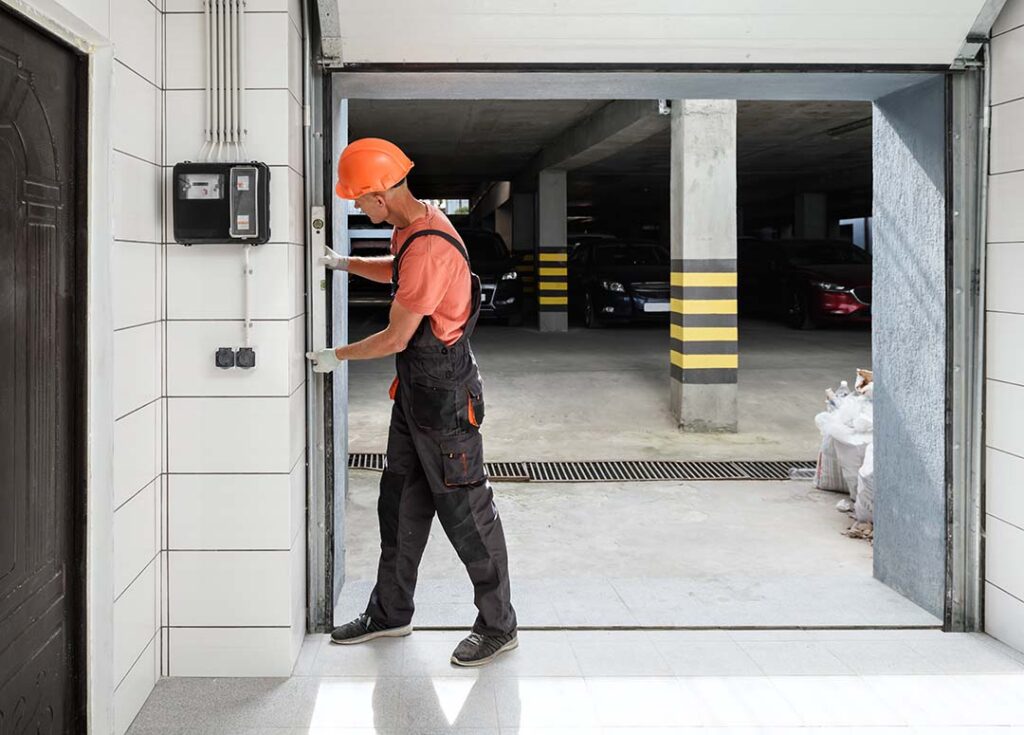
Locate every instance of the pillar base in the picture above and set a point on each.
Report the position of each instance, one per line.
(705, 409)
(553, 321)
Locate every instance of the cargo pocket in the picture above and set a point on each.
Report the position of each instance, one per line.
(433, 407)
(471, 410)
(462, 461)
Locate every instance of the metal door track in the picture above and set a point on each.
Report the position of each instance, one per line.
(628, 471)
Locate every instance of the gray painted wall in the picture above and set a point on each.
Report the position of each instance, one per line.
(909, 342)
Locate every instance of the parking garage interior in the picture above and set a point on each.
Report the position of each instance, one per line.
(676, 554)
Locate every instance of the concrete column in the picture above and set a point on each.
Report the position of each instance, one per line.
(524, 242)
(810, 217)
(552, 270)
(705, 341)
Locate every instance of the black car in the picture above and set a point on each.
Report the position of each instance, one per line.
(615, 281)
(807, 283)
(501, 290)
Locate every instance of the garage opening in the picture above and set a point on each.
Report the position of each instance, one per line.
(828, 196)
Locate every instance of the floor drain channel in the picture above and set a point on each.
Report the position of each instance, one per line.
(629, 471)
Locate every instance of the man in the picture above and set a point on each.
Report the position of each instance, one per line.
(435, 452)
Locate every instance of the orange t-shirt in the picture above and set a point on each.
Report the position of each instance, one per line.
(433, 277)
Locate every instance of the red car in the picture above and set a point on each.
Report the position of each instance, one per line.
(806, 282)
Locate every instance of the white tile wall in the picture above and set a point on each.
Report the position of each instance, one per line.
(297, 483)
(297, 426)
(266, 58)
(205, 282)
(1004, 416)
(190, 359)
(229, 435)
(1011, 17)
(1004, 480)
(135, 126)
(1005, 216)
(136, 620)
(296, 209)
(230, 588)
(137, 283)
(1004, 409)
(137, 453)
(1004, 551)
(231, 652)
(1007, 146)
(296, 353)
(137, 199)
(135, 29)
(297, 278)
(131, 694)
(1004, 266)
(1005, 347)
(294, 60)
(137, 366)
(1003, 616)
(224, 512)
(267, 120)
(136, 536)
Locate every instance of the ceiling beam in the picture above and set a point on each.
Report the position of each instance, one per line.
(612, 128)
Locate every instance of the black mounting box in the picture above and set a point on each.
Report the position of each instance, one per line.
(218, 202)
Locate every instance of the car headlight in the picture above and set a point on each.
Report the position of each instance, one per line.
(613, 286)
(510, 276)
(829, 287)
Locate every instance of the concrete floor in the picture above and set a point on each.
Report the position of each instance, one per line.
(603, 394)
(649, 554)
(650, 682)
(674, 554)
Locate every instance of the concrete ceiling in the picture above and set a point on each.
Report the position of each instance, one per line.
(782, 148)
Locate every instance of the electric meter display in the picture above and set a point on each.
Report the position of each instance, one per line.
(217, 202)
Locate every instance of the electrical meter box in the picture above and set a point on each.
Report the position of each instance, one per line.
(221, 202)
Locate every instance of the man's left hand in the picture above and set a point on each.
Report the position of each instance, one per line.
(324, 361)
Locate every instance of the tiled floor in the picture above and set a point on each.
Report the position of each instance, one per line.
(618, 682)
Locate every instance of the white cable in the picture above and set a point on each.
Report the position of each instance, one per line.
(242, 36)
(232, 53)
(204, 151)
(248, 297)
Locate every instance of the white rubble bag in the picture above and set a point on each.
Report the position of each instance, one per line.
(864, 505)
(846, 430)
(829, 473)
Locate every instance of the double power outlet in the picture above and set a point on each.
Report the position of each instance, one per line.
(229, 357)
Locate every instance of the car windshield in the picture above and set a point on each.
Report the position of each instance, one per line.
(623, 256)
(484, 246)
(824, 253)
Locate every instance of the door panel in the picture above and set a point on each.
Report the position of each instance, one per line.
(40, 385)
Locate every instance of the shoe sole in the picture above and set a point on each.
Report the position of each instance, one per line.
(510, 646)
(389, 633)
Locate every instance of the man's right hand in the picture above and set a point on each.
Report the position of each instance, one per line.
(334, 261)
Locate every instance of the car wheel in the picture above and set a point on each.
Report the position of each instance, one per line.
(800, 316)
(590, 317)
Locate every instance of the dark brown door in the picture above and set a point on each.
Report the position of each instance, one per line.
(41, 565)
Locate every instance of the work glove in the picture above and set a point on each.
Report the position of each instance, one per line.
(334, 261)
(324, 361)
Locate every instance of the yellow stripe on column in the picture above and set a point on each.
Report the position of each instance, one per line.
(704, 306)
(553, 286)
(705, 334)
(703, 279)
(553, 256)
(554, 271)
(553, 300)
(689, 362)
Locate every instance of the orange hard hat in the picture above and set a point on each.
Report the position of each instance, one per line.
(370, 164)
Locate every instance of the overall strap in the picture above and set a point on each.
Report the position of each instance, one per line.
(440, 233)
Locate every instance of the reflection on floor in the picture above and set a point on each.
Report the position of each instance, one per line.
(649, 554)
(604, 394)
(615, 682)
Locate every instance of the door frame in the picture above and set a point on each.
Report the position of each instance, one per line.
(77, 509)
(963, 609)
(96, 348)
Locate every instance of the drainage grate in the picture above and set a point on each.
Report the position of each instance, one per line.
(629, 471)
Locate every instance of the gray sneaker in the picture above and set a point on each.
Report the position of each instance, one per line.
(364, 629)
(477, 649)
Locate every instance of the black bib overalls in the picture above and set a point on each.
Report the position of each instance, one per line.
(435, 464)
